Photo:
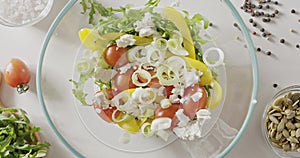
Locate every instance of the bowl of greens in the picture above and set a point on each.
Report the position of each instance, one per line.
(148, 78)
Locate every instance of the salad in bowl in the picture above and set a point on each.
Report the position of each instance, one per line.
(149, 72)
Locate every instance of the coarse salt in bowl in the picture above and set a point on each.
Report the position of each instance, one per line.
(19, 13)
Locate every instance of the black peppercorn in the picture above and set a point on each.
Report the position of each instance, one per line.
(297, 46)
(262, 30)
(293, 11)
(282, 40)
(267, 6)
(260, 6)
(276, 11)
(265, 20)
(251, 20)
(276, 3)
(275, 85)
(258, 49)
(264, 35)
(254, 24)
(269, 53)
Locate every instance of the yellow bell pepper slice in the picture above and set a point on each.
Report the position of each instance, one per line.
(93, 41)
(130, 124)
(141, 40)
(206, 78)
(214, 100)
(174, 16)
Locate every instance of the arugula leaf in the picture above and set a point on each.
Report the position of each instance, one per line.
(152, 3)
(17, 135)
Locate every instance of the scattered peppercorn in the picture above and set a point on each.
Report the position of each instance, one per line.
(262, 30)
(258, 49)
(264, 35)
(269, 53)
(276, 3)
(267, 6)
(297, 46)
(293, 11)
(276, 11)
(211, 24)
(275, 85)
(282, 40)
(251, 20)
(254, 24)
(260, 6)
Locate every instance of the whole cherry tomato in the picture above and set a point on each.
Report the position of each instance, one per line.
(17, 75)
(191, 107)
(116, 56)
(123, 81)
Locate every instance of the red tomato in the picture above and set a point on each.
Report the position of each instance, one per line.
(168, 91)
(154, 83)
(106, 114)
(123, 81)
(116, 56)
(189, 106)
(167, 112)
(17, 74)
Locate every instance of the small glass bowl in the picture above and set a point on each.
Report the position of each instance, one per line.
(23, 13)
(281, 94)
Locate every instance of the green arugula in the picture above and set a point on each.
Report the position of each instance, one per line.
(17, 138)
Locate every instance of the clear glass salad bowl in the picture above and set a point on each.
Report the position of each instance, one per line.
(82, 131)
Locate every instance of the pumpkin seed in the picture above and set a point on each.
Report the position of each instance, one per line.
(289, 125)
(277, 114)
(273, 119)
(298, 133)
(286, 147)
(285, 133)
(280, 126)
(297, 125)
(293, 133)
(295, 96)
(278, 136)
(293, 139)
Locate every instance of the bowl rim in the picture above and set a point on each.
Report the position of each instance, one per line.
(251, 49)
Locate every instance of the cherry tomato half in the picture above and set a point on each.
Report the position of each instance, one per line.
(189, 106)
(166, 112)
(106, 114)
(17, 75)
(154, 83)
(116, 56)
(123, 81)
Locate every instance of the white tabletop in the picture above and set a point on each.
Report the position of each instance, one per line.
(282, 68)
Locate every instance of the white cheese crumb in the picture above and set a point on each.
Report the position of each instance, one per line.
(146, 26)
(193, 129)
(183, 119)
(100, 99)
(161, 123)
(197, 96)
(124, 68)
(125, 40)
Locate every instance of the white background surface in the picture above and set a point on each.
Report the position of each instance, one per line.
(282, 68)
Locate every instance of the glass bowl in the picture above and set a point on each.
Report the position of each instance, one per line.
(86, 136)
(279, 136)
(23, 13)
